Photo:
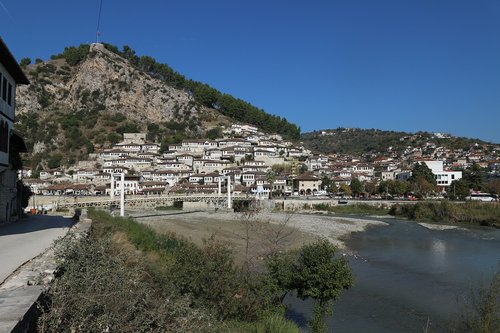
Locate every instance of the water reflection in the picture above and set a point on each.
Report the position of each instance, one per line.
(406, 275)
(438, 252)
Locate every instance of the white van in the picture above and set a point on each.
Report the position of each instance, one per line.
(478, 196)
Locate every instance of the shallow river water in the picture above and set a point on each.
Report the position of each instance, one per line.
(408, 276)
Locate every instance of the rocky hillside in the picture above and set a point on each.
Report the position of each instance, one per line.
(83, 99)
(104, 81)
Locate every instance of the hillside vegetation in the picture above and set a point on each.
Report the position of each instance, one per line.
(85, 97)
(209, 97)
(357, 141)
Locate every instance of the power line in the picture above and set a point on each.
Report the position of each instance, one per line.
(98, 23)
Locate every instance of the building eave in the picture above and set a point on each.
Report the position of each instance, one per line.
(11, 65)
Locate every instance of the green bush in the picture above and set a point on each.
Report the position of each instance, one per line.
(272, 323)
(480, 311)
(74, 55)
(104, 288)
(356, 209)
(207, 273)
(124, 277)
(487, 214)
(278, 324)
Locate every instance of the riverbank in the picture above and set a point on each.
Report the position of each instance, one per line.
(475, 213)
(227, 226)
(126, 277)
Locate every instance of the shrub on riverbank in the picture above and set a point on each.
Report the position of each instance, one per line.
(124, 277)
(481, 309)
(207, 273)
(486, 214)
(104, 287)
(356, 209)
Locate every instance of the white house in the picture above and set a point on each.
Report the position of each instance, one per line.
(234, 142)
(443, 178)
(248, 178)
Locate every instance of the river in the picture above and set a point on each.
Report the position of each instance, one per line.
(408, 277)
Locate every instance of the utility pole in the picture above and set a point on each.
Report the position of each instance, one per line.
(122, 195)
(219, 191)
(122, 191)
(229, 203)
(112, 193)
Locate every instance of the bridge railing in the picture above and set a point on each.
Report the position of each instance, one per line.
(137, 201)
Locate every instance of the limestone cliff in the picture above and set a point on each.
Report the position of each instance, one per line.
(103, 81)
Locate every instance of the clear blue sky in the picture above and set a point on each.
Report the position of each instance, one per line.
(390, 64)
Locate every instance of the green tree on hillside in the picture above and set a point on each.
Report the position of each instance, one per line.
(54, 161)
(398, 187)
(383, 187)
(271, 178)
(114, 137)
(493, 186)
(370, 187)
(421, 186)
(209, 97)
(474, 176)
(422, 170)
(325, 182)
(25, 62)
(356, 187)
(153, 132)
(458, 189)
(473, 179)
(345, 190)
(214, 133)
(422, 181)
(74, 55)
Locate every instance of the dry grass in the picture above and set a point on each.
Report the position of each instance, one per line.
(226, 226)
(263, 236)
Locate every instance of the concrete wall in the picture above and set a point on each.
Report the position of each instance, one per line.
(301, 204)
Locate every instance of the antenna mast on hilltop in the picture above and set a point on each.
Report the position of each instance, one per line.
(98, 33)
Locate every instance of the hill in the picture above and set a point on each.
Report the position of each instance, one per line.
(84, 98)
(357, 141)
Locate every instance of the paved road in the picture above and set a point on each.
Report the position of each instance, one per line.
(24, 240)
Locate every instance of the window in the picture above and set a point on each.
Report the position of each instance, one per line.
(2, 131)
(4, 137)
(4, 89)
(9, 97)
